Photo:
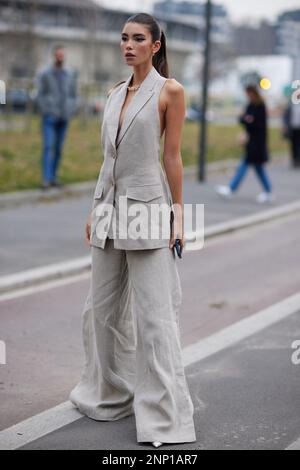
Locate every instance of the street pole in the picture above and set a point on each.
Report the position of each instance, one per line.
(205, 74)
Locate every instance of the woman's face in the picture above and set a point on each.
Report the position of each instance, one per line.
(136, 40)
(250, 96)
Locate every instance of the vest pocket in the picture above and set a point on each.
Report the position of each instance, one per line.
(144, 193)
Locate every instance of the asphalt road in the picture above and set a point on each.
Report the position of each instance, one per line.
(246, 397)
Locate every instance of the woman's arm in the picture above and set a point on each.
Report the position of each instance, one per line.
(174, 121)
(256, 119)
(247, 117)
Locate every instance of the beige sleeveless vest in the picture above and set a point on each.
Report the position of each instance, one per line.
(131, 167)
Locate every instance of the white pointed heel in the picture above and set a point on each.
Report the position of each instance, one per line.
(157, 443)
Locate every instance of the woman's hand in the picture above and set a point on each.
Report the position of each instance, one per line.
(177, 226)
(88, 229)
(248, 118)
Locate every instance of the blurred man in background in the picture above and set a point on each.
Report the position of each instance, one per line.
(56, 99)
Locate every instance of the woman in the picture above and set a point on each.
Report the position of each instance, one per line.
(130, 322)
(254, 120)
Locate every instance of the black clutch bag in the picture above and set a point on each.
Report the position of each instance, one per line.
(176, 246)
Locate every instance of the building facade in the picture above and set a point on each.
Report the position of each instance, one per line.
(288, 38)
(90, 32)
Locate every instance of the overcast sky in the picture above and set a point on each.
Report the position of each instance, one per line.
(238, 9)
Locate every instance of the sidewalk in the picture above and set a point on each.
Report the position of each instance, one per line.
(37, 233)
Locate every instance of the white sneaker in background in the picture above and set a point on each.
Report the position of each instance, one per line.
(263, 198)
(224, 191)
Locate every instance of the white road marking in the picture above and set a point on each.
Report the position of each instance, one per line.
(38, 426)
(65, 413)
(241, 330)
(294, 446)
(44, 286)
(44, 273)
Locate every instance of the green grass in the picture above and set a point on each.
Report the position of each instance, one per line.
(222, 143)
(20, 151)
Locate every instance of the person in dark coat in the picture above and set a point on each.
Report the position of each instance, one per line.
(291, 131)
(254, 120)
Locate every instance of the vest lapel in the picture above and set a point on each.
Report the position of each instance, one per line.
(141, 97)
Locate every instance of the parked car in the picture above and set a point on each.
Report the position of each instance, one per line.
(95, 104)
(17, 99)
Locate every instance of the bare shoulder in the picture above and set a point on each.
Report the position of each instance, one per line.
(173, 92)
(173, 88)
(115, 86)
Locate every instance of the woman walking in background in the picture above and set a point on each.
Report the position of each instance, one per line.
(131, 334)
(254, 119)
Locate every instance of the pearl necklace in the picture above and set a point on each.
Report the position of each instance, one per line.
(133, 88)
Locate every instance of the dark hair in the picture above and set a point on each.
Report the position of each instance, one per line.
(257, 96)
(159, 60)
(56, 47)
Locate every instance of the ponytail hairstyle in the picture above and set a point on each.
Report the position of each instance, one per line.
(159, 60)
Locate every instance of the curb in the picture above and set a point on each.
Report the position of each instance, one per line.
(38, 195)
(230, 164)
(79, 265)
(40, 275)
(243, 222)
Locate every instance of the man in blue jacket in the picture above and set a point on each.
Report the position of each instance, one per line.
(57, 100)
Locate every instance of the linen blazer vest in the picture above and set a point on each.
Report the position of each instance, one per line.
(132, 169)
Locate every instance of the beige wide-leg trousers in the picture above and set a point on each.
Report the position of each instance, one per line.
(133, 361)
